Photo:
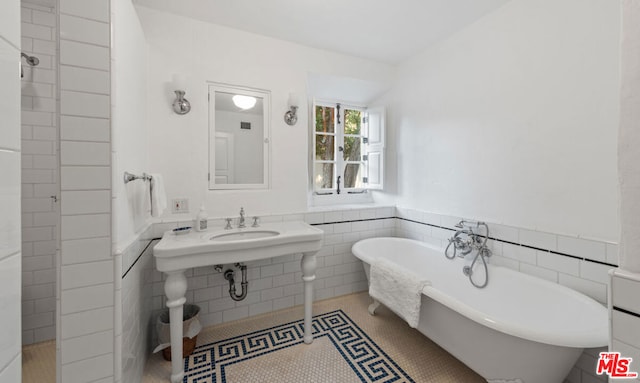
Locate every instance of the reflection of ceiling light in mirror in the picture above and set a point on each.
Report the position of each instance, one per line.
(244, 102)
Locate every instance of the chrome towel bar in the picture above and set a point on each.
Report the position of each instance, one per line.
(128, 177)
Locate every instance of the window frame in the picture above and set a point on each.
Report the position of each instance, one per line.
(338, 159)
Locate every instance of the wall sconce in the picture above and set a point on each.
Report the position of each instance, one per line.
(290, 117)
(181, 105)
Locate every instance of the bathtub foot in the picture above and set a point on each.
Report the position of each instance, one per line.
(373, 307)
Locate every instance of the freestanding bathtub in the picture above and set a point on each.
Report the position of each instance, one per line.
(518, 329)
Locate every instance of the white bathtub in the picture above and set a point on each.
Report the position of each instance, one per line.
(518, 328)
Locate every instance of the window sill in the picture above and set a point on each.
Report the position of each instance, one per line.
(340, 199)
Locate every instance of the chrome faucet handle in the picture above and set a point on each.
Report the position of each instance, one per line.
(228, 227)
(241, 223)
(255, 222)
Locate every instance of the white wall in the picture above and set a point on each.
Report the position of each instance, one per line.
(207, 52)
(10, 257)
(513, 120)
(130, 129)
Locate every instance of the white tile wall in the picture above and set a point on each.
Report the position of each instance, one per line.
(533, 253)
(88, 286)
(39, 176)
(625, 326)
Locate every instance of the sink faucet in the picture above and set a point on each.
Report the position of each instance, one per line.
(241, 222)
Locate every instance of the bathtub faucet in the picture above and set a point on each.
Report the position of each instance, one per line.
(465, 240)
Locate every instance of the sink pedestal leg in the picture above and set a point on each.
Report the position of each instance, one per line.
(308, 275)
(175, 287)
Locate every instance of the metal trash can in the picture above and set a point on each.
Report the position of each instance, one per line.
(191, 327)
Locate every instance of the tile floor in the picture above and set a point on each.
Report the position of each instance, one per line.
(420, 358)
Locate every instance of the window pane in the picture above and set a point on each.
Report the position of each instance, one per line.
(323, 176)
(325, 117)
(352, 121)
(352, 176)
(325, 148)
(351, 149)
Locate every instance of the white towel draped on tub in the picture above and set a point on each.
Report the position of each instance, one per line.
(397, 288)
(158, 195)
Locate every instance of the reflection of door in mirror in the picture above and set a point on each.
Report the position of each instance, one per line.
(224, 158)
(238, 131)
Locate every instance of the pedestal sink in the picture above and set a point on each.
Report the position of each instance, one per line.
(176, 253)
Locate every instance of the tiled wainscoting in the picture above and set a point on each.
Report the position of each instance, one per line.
(580, 264)
(276, 283)
(39, 174)
(625, 320)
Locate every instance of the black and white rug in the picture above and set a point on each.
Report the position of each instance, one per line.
(341, 352)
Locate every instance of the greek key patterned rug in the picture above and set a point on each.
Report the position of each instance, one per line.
(341, 352)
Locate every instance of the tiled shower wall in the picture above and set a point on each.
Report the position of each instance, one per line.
(87, 289)
(39, 174)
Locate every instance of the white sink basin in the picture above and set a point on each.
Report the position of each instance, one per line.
(244, 235)
(219, 246)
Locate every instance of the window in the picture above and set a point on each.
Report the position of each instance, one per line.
(348, 143)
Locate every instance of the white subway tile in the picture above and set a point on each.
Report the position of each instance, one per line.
(545, 241)
(85, 250)
(85, 202)
(313, 218)
(84, 80)
(31, 322)
(86, 274)
(385, 212)
(625, 294)
(44, 162)
(38, 291)
(260, 308)
(29, 117)
(368, 213)
(43, 18)
(84, 104)
(84, 55)
(626, 327)
(333, 216)
(84, 129)
(519, 253)
(351, 215)
(84, 30)
(595, 272)
(44, 46)
(86, 346)
(36, 31)
(33, 263)
(561, 263)
(87, 298)
(85, 226)
(38, 90)
(597, 291)
(87, 370)
(612, 253)
(505, 233)
(235, 314)
(582, 248)
(90, 9)
(85, 177)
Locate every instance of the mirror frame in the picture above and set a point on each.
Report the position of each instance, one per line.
(266, 115)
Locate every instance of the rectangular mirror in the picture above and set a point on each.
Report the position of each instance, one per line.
(238, 137)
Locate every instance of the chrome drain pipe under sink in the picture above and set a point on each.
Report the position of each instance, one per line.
(229, 275)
